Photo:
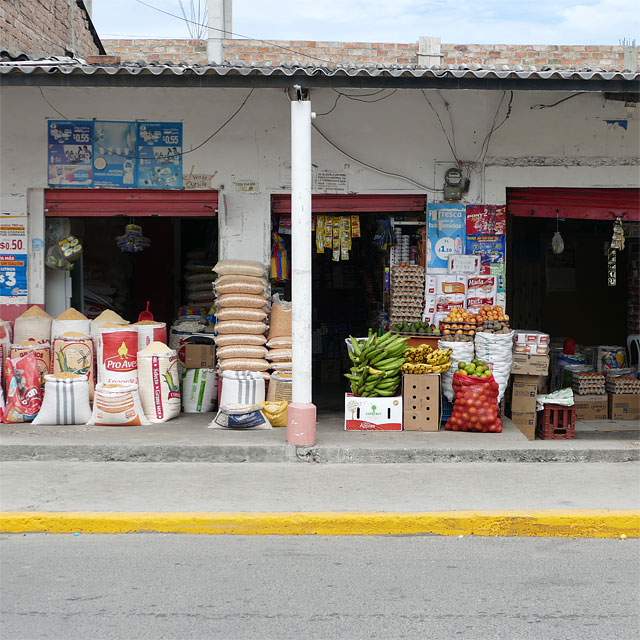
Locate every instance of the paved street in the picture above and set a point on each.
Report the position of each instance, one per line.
(199, 587)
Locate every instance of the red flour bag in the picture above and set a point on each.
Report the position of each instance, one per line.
(24, 395)
(118, 355)
(475, 407)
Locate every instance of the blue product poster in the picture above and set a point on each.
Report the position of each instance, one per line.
(13, 275)
(446, 234)
(492, 251)
(114, 147)
(70, 153)
(159, 155)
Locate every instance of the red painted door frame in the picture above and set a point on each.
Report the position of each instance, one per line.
(584, 204)
(355, 203)
(74, 203)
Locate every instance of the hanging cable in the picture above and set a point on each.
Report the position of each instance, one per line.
(441, 126)
(548, 106)
(45, 99)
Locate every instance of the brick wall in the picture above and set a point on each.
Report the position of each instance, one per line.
(42, 28)
(255, 52)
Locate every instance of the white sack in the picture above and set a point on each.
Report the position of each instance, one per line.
(199, 390)
(58, 327)
(66, 401)
(158, 382)
(496, 349)
(117, 405)
(460, 352)
(245, 388)
(36, 328)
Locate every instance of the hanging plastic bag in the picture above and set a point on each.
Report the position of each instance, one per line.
(563, 397)
(557, 243)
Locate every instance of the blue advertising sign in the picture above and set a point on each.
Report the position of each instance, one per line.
(13, 275)
(491, 249)
(446, 233)
(160, 155)
(70, 151)
(114, 147)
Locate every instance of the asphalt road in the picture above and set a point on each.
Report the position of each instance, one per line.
(185, 587)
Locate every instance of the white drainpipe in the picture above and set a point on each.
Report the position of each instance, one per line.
(219, 22)
(301, 416)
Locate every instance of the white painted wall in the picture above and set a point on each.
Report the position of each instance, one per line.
(400, 135)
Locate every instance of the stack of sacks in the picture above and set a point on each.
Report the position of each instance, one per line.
(199, 280)
(242, 295)
(279, 340)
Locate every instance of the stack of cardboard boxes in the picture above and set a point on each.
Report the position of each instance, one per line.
(529, 379)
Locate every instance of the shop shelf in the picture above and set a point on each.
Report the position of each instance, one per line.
(556, 422)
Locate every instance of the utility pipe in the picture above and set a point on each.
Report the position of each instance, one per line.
(301, 413)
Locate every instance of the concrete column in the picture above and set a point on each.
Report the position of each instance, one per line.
(220, 25)
(429, 51)
(301, 415)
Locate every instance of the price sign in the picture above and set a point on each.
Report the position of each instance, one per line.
(13, 259)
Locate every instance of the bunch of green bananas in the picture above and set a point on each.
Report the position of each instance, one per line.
(376, 365)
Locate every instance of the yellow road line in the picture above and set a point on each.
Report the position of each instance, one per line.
(584, 523)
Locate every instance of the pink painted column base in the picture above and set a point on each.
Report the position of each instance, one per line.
(301, 424)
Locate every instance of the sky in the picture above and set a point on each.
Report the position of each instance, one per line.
(597, 22)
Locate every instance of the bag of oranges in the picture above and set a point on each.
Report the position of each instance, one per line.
(475, 407)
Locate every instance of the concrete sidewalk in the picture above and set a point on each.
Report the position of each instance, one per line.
(187, 439)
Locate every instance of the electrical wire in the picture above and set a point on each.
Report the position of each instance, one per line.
(453, 131)
(335, 104)
(484, 149)
(45, 99)
(441, 126)
(370, 166)
(359, 98)
(231, 33)
(547, 106)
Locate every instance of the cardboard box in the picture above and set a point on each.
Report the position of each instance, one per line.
(592, 407)
(526, 422)
(372, 414)
(530, 365)
(421, 402)
(523, 394)
(624, 406)
(200, 356)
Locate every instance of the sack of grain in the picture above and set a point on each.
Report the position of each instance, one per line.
(241, 268)
(24, 393)
(280, 386)
(242, 388)
(74, 353)
(66, 400)
(240, 417)
(280, 355)
(276, 412)
(281, 367)
(241, 351)
(150, 331)
(241, 284)
(241, 326)
(280, 342)
(106, 317)
(244, 300)
(280, 319)
(199, 390)
(41, 351)
(158, 382)
(117, 355)
(5, 347)
(70, 320)
(182, 330)
(33, 324)
(238, 313)
(117, 405)
(244, 364)
(227, 339)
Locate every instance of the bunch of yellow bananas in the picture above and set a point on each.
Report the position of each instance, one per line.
(410, 367)
(418, 354)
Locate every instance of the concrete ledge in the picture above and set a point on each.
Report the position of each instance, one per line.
(572, 524)
(316, 454)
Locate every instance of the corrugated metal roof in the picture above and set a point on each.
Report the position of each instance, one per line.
(368, 75)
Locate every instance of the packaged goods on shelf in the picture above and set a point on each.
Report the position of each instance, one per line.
(445, 303)
(587, 383)
(482, 286)
(533, 342)
(66, 400)
(622, 384)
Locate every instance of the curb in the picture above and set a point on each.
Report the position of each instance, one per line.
(566, 524)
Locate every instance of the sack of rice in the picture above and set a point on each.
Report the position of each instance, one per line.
(244, 300)
(33, 324)
(41, 351)
(66, 400)
(280, 355)
(70, 320)
(286, 366)
(244, 364)
(280, 319)
(158, 382)
(241, 284)
(74, 353)
(227, 339)
(199, 390)
(117, 405)
(117, 355)
(241, 326)
(280, 387)
(242, 387)
(240, 417)
(280, 342)
(150, 331)
(241, 351)
(238, 313)
(241, 268)
(181, 330)
(24, 393)
(276, 412)
(106, 317)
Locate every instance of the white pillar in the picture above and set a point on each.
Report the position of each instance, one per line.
(429, 54)
(302, 414)
(219, 22)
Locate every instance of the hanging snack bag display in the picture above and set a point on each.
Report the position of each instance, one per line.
(24, 394)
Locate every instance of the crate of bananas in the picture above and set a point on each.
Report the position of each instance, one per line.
(426, 359)
(376, 365)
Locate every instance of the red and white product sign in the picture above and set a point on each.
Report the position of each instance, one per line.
(474, 304)
(444, 304)
(118, 359)
(478, 286)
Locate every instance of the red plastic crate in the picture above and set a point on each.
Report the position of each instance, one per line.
(556, 423)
